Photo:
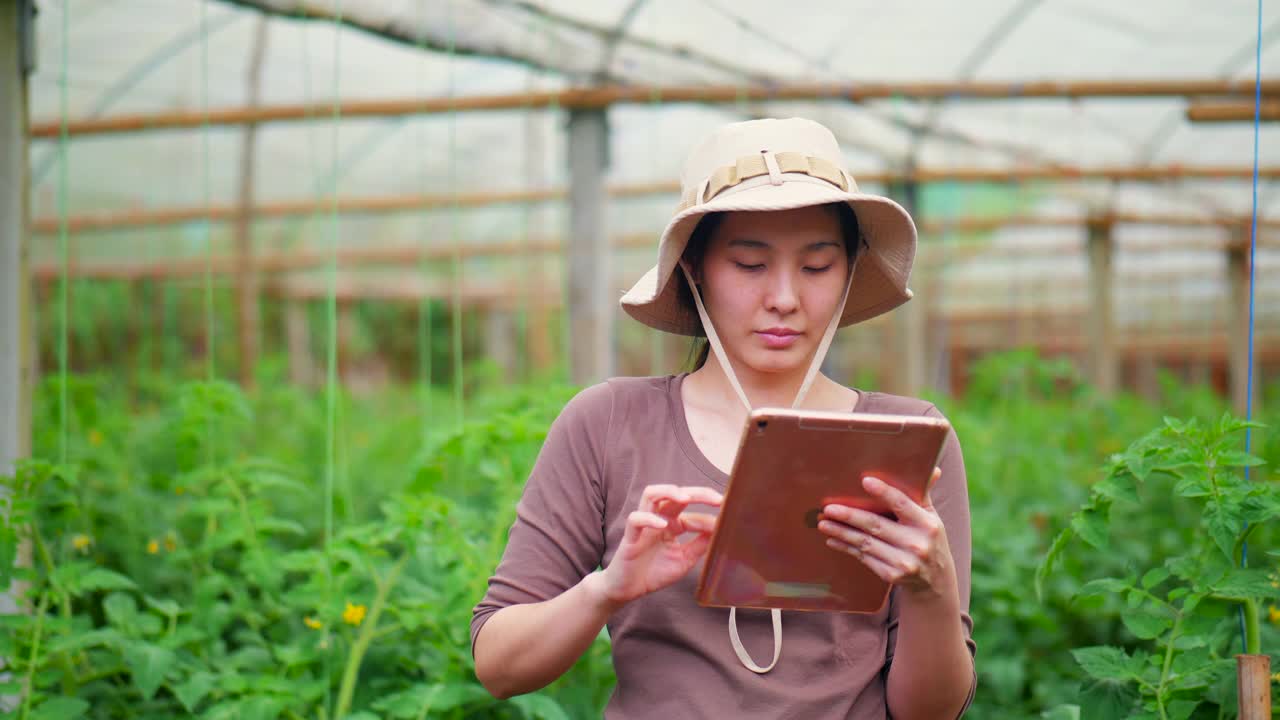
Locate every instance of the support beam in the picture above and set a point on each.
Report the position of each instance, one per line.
(1238, 323)
(601, 97)
(117, 220)
(1233, 111)
(589, 261)
(1102, 333)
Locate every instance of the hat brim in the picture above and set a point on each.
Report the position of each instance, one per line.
(880, 278)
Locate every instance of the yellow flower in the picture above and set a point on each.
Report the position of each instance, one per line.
(354, 614)
(95, 437)
(81, 542)
(153, 546)
(1273, 614)
(170, 544)
(179, 490)
(312, 623)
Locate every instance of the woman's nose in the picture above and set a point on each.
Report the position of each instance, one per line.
(781, 296)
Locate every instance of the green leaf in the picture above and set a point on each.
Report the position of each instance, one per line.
(60, 708)
(191, 692)
(1224, 527)
(539, 707)
(1091, 525)
(103, 579)
(1107, 701)
(429, 700)
(1235, 458)
(149, 664)
(1180, 709)
(1107, 663)
(1154, 577)
(1103, 586)
(1062, 712)
(1118, 488)
(1242, 584)
(1046, 566)
(168, 608)
(1146, 624)
(121, 609)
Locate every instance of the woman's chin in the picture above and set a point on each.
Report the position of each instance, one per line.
(765, 360)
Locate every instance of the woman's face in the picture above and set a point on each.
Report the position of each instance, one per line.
(771, 281)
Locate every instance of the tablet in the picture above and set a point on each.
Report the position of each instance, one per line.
(767, 551)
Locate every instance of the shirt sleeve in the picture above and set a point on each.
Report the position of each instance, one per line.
(558, 536)
(950, 497)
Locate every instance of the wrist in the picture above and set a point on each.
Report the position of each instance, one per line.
(595, 585)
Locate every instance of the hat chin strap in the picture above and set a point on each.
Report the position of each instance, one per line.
(819, 355)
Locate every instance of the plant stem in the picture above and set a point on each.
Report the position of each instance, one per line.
(1252, 633)
(35, 650)
(364, 639)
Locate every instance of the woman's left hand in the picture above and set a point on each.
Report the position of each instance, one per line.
(910, 552)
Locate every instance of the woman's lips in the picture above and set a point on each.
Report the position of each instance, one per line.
(778, 338)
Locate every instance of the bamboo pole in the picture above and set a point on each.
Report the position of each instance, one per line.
(601, 97)
(122, 219)
(1232, 111)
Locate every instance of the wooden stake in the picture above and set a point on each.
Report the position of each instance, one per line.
(1253, 683)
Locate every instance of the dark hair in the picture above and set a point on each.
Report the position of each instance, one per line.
(696, 248)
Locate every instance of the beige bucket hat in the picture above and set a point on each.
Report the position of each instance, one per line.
(777, 164)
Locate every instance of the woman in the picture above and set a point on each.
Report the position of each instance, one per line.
(775, 248)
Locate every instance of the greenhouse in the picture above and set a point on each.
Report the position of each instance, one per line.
(306, 305)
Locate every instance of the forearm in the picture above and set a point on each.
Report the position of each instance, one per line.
(932, 670)
(522, 648)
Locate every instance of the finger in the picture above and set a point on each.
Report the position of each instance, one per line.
(896, 563)
(698, 522)
(703, 495)
(844, 518)
(907, 510)
(655, 494)
(639, 521)
(883, 570)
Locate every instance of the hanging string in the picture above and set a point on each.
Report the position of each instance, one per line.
(63, 260)
(453, 225)
(1253, 247)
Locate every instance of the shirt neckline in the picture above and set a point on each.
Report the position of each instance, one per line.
(675, 403)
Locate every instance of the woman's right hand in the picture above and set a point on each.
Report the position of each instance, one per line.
(651, 556)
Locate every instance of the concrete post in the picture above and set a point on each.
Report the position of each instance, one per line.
(1238, 322)
(911, 368)
(16, 352)
(591, 305)
(1102, 331)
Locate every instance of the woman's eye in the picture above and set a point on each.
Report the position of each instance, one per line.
(750, 268)
(816, 270)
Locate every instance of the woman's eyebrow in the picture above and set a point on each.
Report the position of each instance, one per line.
(822, 244)
(749, 243)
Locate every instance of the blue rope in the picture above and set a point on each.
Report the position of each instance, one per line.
(1253, 247)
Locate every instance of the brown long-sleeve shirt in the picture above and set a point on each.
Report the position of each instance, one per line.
(672, 657)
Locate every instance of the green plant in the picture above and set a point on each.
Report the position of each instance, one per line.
(1180, 605)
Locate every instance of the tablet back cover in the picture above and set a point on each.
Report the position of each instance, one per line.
(767, 551)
